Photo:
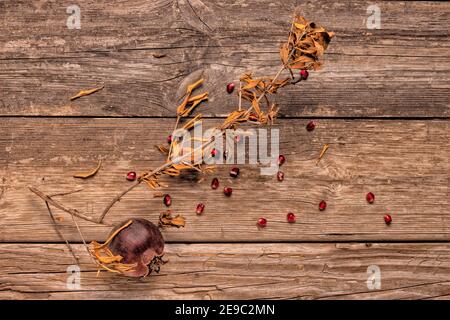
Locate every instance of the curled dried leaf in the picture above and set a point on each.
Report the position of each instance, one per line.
(167, 220)
(88, 174)
(162, 149)
(87, 92)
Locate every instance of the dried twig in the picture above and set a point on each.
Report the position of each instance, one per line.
(58, 205)
(55, 224)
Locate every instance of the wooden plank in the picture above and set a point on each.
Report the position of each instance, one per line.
(405, 163)
(398, 70)
(237, 271)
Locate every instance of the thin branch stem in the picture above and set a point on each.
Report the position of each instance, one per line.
(171, 140)
(151, 173)
(55, 224)
(58, 205)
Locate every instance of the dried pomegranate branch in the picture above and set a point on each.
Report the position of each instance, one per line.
(307, 44)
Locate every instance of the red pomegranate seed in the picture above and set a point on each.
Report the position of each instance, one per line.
(215, 183)
(310, 126)
(214, 152)
(131, 176)
(322, 205)
(167, 200)
(230, 87)
(262, 222)
(280, 176)
(227, 191)
(237, 138)
(281, 160)
(169, 139)
(387, 219)
(304, 74)
(291, 218)
(234, 172)
(200, 208)
(370, 197)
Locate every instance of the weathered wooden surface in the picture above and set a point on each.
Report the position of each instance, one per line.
(399, 70)
(405, 163)
(238, 271)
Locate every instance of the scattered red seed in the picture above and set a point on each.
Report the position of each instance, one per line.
(370, 197)
(304, 74)
(234, 172)
(281, 160)
(227, 191)
(131, 176)
(167, 200)
(387, 219)
(262, 222)
(169, 139)
(215, 183)
(280, 176)
(311, 126)
(200, 208)
(230, 87)
(322, 205)
(237, 138)
(214, 152)
(291, 218)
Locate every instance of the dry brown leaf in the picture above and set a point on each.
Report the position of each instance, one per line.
(91, 173)
(162, 149)
(87, 92)
(166, 220)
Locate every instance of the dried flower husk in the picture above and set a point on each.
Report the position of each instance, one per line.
(134, 248)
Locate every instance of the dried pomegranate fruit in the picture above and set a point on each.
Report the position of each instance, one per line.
(134, 248)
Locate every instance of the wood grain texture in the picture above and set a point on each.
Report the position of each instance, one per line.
(237, 271)
(399, 70)
(405, 163)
